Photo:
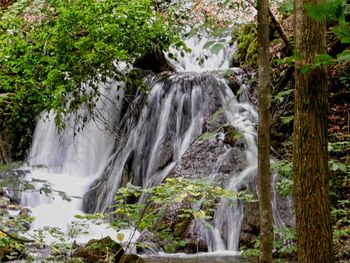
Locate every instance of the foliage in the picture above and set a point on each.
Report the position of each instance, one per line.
(166, 210)
(247, 44)
(51, 51)
(285, 172)
(284, 245)
(10, 249)
(17, 184)
(332, 10)
(12, 227)
(280, 96)
(286, 8)
(186, 199)
(10, 166)
(63, 243)
(340, 206)
(252, 252)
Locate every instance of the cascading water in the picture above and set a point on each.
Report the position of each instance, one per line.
(64, 165)
(152, 133)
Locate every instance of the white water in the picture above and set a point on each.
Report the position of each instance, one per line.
(67, 164)
(202, 58)
(94, 159)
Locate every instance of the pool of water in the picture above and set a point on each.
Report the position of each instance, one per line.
(215, 257)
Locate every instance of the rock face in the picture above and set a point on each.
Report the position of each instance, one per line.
(11, 184)
(217, 159)
(177, 111)
(155, 61)
(103, 250)
(190, 126)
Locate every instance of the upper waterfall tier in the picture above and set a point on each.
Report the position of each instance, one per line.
(155, 137)
(206, 53)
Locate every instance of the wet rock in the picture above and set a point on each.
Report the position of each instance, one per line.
(4, 202)
(250, 226)
(25, 214)
(157, 144)
(234, 83)
(155, 61)
(202, 160)
(3, 191)
(12, 184)
(196, 238)
(146, 243)
(212, 159)
(103, 250)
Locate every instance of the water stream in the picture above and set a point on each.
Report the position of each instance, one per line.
(142, 139)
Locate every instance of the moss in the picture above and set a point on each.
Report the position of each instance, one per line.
(103, 250)
(9, 166)
(247, 45)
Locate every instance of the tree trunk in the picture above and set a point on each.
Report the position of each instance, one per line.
(264, 173)
(310, 161)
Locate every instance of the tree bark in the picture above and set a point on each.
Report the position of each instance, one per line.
(310, 161)
(264, 173)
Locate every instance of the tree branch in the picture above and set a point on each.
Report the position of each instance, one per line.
(23, 240)
(279, 29)
(281, 32)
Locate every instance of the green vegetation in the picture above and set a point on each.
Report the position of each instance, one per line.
(167, 209)
(50, 51)
(198, 199)
(247, 46)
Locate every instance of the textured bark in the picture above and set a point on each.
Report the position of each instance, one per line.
(314, 236)
(264, 181)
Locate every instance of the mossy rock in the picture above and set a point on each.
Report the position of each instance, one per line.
(230, 135)
(233, 82)
(247, 46)
(102, 250)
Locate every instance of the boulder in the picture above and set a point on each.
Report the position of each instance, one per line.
(103, 250)
(154, 61)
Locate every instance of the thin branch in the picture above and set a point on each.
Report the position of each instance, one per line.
(23, 240)
(278, 28)
(281, 33)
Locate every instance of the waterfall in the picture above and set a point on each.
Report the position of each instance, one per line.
(143, 138)
(63, 165)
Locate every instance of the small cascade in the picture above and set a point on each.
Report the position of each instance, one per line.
(63, 165)
(144, 138)
(207, 54)
(172, 119)
(228, 219)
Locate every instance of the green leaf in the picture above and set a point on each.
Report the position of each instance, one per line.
(120, 236)
(280, 96)
(344, 56)
(216, 48)
(208, 44)
(287, 119)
